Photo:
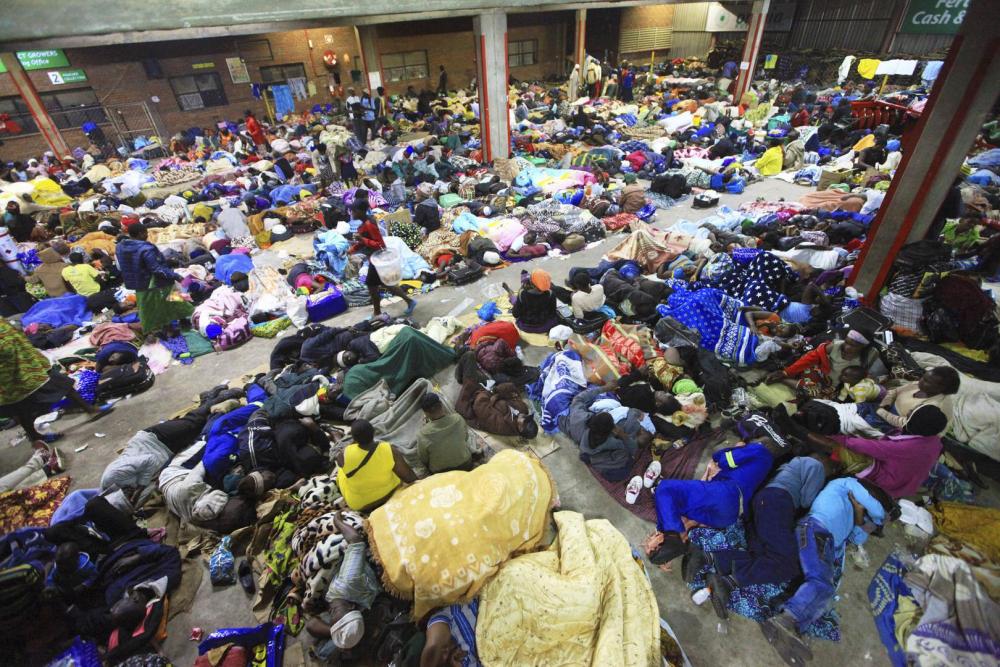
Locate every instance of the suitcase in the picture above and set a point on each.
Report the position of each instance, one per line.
(324, 305)
(866, 321)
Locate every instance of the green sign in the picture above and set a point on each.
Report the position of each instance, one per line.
(42, 59)
(203, 66)
(67, 76)
(938, 17)
(3, 68)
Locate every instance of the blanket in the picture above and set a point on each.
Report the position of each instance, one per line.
(561, 378)
(463, 525)
(583, 601)
(410, 356)
(395, 420)
(33, 506)
(58, 311)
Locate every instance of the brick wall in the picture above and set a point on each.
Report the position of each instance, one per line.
(116, 73)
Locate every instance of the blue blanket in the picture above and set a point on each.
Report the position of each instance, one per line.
(58, 311)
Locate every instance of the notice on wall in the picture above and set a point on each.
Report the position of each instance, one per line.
(729, 17)
(50, 59)
(934, 17)
(67, 76)
(238, 70)
(374, 81)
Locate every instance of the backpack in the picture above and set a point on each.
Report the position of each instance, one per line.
(234, 334)
(465, 272)
(672, 185)
(19, 590)
(119, 381)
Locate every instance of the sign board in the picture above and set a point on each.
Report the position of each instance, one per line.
(731, 17)
(203, 66)
(67, 76)
(238, 70)
(934, 17)
(42, 59)
(3, 68)
(374, 81)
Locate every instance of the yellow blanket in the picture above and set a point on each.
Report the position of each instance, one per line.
(441, 539)
(584, 601)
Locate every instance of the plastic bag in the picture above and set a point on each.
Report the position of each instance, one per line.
(222, 564)
(295, 308)
(488, 311)
(269, 635)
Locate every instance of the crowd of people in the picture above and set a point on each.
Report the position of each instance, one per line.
(376, 476)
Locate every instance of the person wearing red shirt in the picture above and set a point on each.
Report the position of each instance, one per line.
(254, 129)
(801, 118)
(368, 240)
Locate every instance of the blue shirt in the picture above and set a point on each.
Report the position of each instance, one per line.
(802, 478)
(796, 313)
(746, 466)
(833, 509)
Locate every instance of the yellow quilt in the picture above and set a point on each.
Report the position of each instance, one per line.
(584, 601)
(441, 539)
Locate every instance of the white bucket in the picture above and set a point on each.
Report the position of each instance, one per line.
(389, 265)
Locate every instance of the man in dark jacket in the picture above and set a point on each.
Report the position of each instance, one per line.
(145, 270)
(607, 447)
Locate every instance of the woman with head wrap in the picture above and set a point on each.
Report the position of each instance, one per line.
(535, 305)
(817, 370)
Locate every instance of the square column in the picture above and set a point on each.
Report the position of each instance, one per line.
(748, 61)
(580, 39)
(490, 30)
(367, 36)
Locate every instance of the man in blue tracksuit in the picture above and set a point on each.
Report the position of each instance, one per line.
(846, 510)
(717, 503)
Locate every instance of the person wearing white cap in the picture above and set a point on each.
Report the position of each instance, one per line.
(352, 592)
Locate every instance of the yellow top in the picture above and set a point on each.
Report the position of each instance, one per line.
(374, 481)
(83, 278)
(770, 162)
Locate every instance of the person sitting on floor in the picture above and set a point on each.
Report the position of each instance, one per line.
(443, 440)
(732, 476)
(369, 471)
(501, 411)
(773, 553)
(586, 298)
(534, 306)
(935, 387)
(846, 510)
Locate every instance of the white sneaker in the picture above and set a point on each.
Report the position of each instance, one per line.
(633, 489)
(652, 474)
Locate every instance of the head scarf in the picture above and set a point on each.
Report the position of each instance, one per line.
(857, 337)
(348, 630)
(541, 279)
(685, 386)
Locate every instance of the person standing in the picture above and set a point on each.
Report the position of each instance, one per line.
(368, 241)
(442, 81)
(354, 112)
(145, 270)
(381, 109)
(29, 385)
(367, 116)
(254, 129)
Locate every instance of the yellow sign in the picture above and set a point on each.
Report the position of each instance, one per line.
(203, 66)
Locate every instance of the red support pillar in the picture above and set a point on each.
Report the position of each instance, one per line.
(580, 40)
(26, 89)
(963, 94)
(755, 34)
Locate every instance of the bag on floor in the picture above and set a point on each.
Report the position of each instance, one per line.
(19, 590)
(324, 305)
(222, 565)
(123, 380)
(673, 185)
(465, 272)
(866, 321)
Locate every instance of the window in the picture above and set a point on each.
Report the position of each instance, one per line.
(522, 53)
(72, 108)
(280, 74)
(405, 66)
(69, 109)
(198, 91)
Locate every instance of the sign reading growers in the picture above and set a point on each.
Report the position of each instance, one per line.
(940, 17)
(50, 59)
(67, 76)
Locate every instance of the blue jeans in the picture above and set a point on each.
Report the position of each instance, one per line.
(818, 557)
(773, 552)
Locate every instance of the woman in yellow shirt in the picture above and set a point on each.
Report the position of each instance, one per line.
(368, 471)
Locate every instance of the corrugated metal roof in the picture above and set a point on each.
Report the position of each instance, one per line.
(689, 44)
(919, 45)
(691, 16)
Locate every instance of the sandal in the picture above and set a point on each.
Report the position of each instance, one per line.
(651, 475)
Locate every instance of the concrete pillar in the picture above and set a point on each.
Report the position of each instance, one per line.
(490, 30)
(370, 65)
(580, 39)
(755, 34)
(963, 94)
(50, 132)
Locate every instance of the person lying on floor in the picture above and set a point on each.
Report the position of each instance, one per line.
(607, 447)
(732, 477)
(634, 297)
(339, 347)
(773, 553)
(369, 472)
(501, 410)
(899, 464)
(290, 448)
(815, 372)
(640, 390)
(443, 440)
(351, 594)
(846, 510)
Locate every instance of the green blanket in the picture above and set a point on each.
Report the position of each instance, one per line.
(410, 355)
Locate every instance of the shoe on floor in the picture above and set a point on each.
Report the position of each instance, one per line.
(721, 588)
(245, 574)
(780, 633)
(670, 548)
(651, 475)
(633, 489)
(54, 463)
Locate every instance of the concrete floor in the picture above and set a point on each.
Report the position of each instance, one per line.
(695, 626)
